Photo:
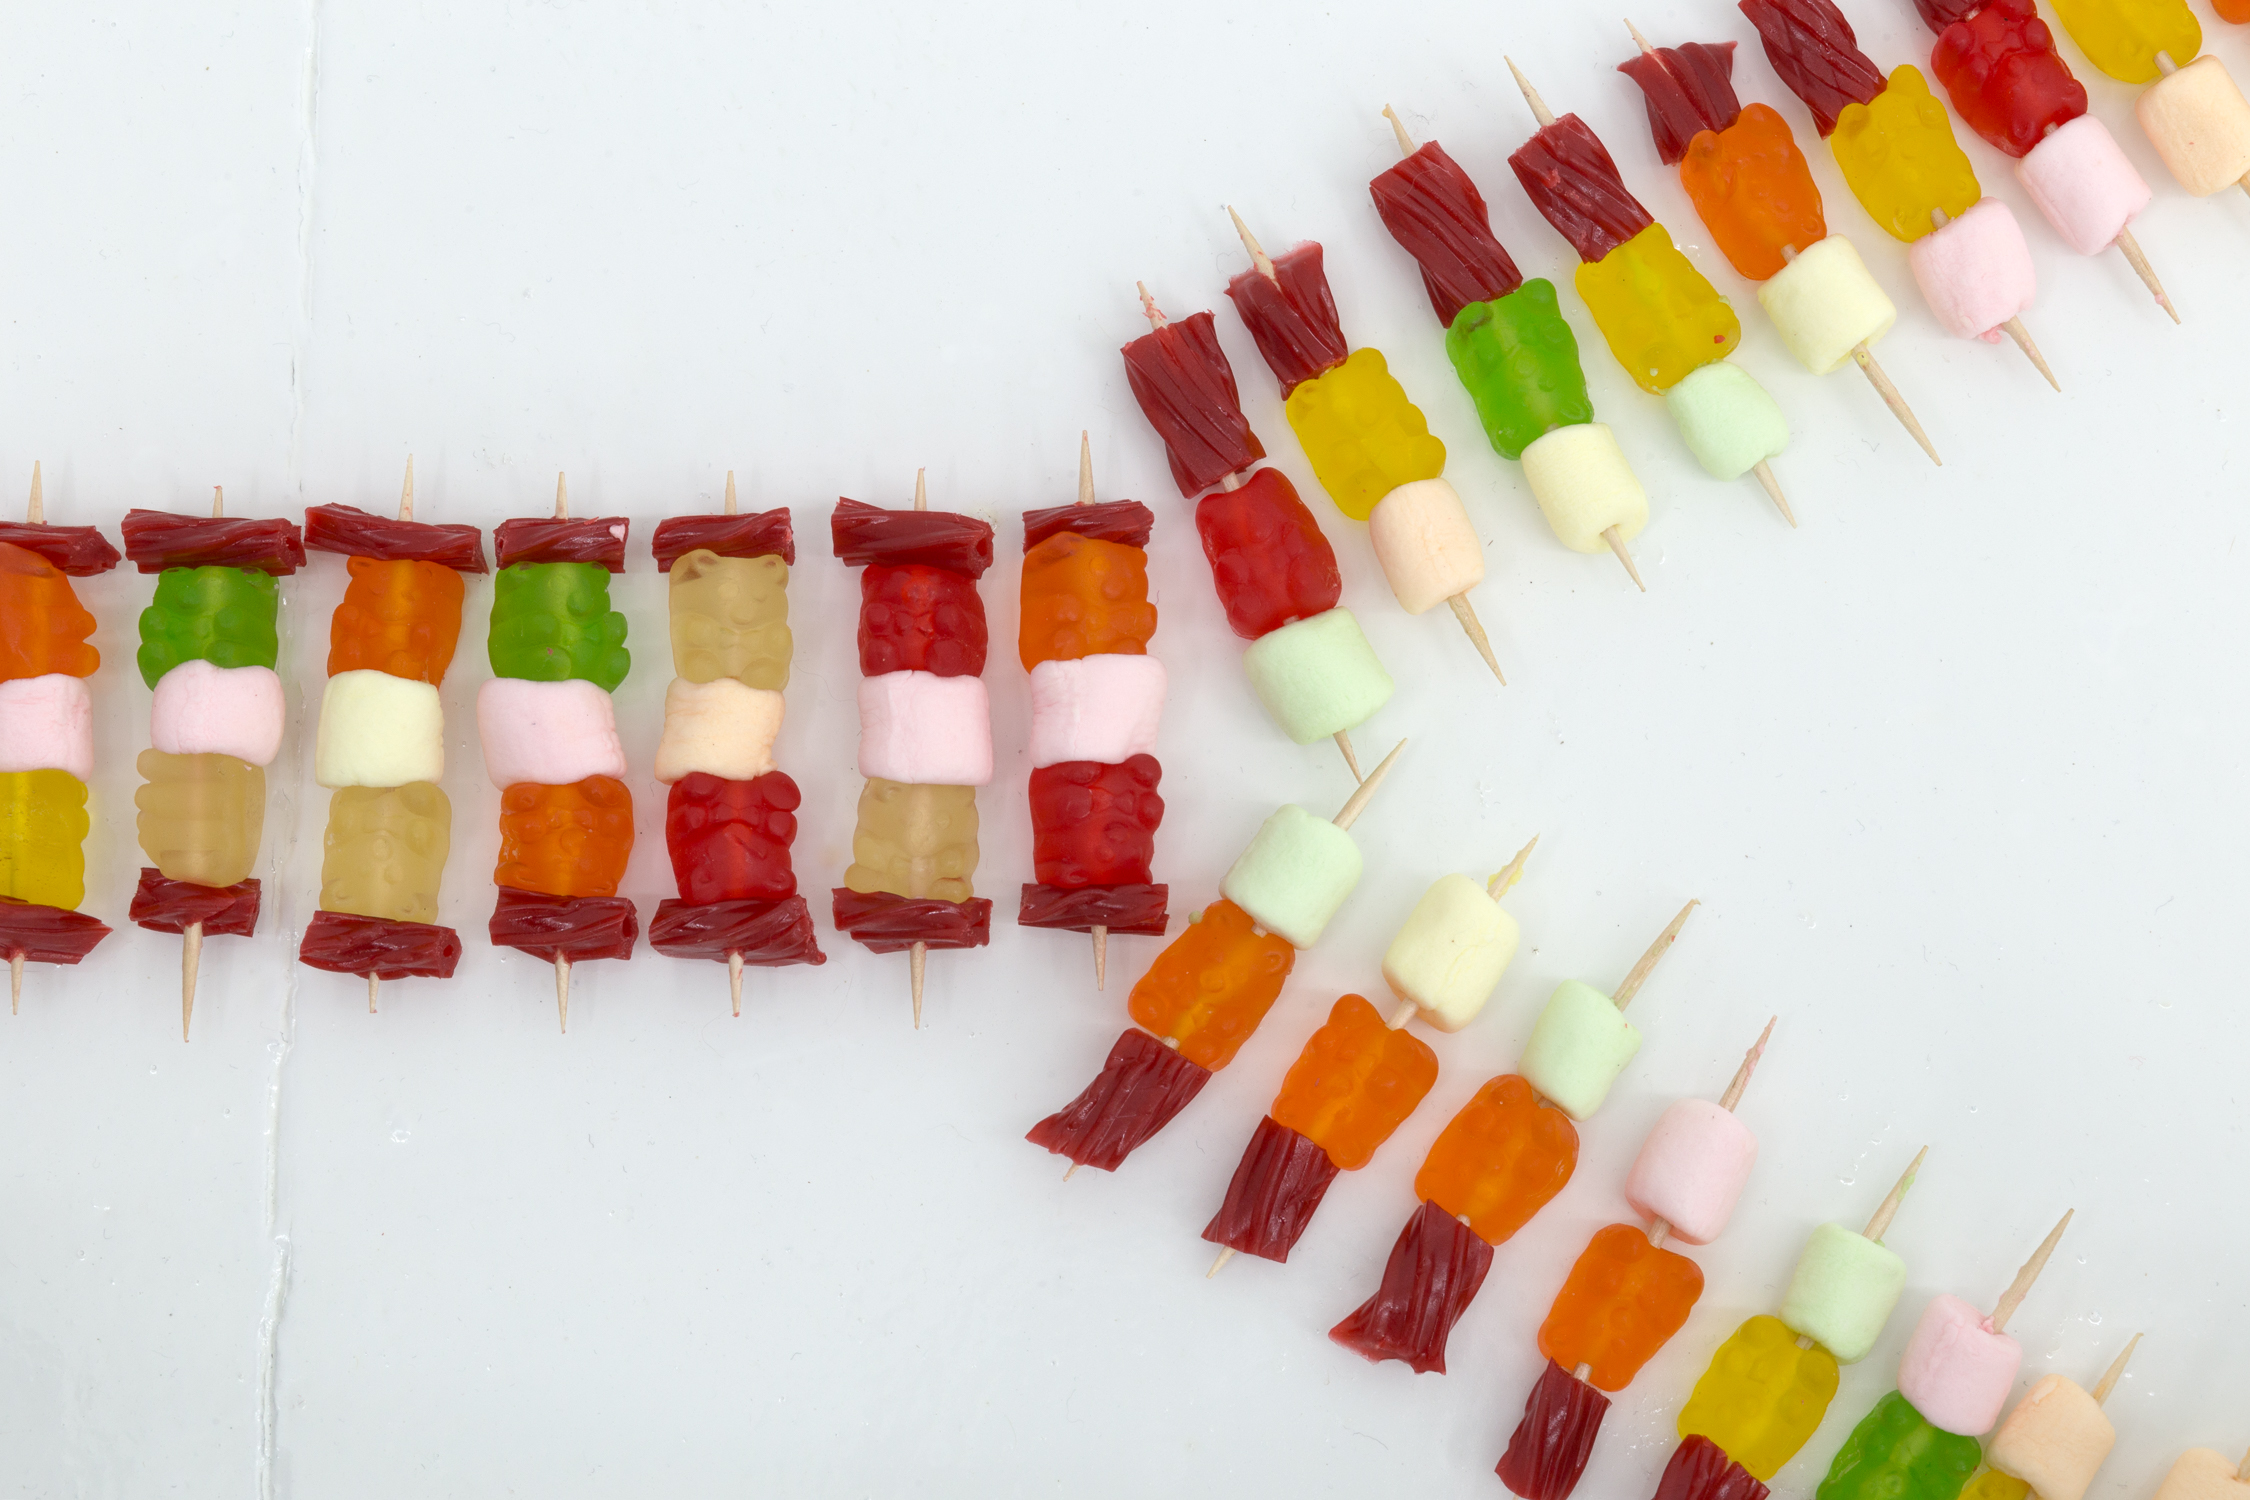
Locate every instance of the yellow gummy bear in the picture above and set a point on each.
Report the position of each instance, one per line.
(42, 832)
(1363, 436)
(1662, 319)
(2122, 37)
(1994, 1485)
(1901, 159)
(1763, 1396)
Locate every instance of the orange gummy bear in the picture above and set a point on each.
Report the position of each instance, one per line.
(1623, 1299)
(1083, 596)
(1209, 989)
(1500, 1159)
(43, 627)
(1754, 191)
(565, 840)
(1356, 1082)
(401, 617)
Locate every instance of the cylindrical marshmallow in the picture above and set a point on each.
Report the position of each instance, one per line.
(547, 733)
(2200, 124)
(1294, 875)
(925, 730)
(1692, 1169)
(1975, 272)
(1956, 1371)
(201, 709)
(1583, 485)
(1581, 1044)
(1727, 420)
(1843, 1292)
(2202, 1474)
(1102, 708)
(1317, 676)
(47, 724)
(1427, 547)
(723, 728)
(1451, 953)
(379, 730)
(1824, 305)
(2054, 1441)
(2084, 184)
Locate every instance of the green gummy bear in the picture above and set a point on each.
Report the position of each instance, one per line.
(224, 616)
(552, 621)
(1895, 1454)
(1519, 360)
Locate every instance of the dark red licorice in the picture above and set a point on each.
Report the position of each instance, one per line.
(919, 617)
(1185, 387)
(867, 534)
(767, 934)
(1812, 47)
(884, 923)
(353, 532)
(342, 943)
(1095, 824)
(163, 905)
(579, 928)
(548, 539)
(1701, 1470)
(1141, 910)
(1431, 1278)
(1277, 1186)
(1143, 1084)
(80, 551)
(1269, 560)
(766, 534)
(1125, 522)
(1291, 315)
(1549, 1450)
(1939, 14)
(47, 934)
(1437, 215)
(160, 539)
(1688, 90)
(1570, 179)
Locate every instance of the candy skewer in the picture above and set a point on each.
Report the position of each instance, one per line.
(405, 513)
(918, 957)
(1086, 497)
(191, 941)
(733, 506)
(562, 961)
(35, 514)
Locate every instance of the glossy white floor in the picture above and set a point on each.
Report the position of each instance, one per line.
(1956, 768)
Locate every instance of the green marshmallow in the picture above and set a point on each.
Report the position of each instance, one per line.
(1317, 676)
(1729, 422)
(1581, 1044)
(552, 621)
(1519, 361)
(1843, 1292)
(1294, 875)
(224, 616)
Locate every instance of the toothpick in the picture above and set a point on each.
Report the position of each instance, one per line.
(562, 498)
(734, 980)
(1403, 1014)
(1616, 541)
(191, 958)
(1149, 309)
(15, 982)
(2242, 1470)
(1500, 884)
(1349, 813)
(2018, 1289)
(1733, 1095)
(1466, 613)
(1219, 1264)
(1764, 471)
(562, 992)
(2116, 1371)
(1258, 256)
(1539, 109)
(918, 959)
(406, 492)
(1640, 41)
(1406, 146)
(1865, 359)
(2014, 329)
(218, 501)
(2141, 268)
(1887, 1210)
(374, 983)
(733, 506)
(1638, 975)
(35, 509)
(1343, 738)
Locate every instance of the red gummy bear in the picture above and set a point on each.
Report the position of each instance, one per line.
(2001, 71)
(730, 839)
(1093, 824)
(917, 618)
(1268, 559)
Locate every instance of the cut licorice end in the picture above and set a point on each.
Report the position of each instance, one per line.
(1143, 1085)
(1548, 1452)
(1433, 1274)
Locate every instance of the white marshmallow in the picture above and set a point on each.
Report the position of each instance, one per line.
(378, 730)
(1101, 708)
(2083, 184)
(925, 730)
(201, 709)
(1584, 486)
(2200, 124)
(721, 728)
(1427, 547)
(47, 724)
(1824, 305)
(1451, 953)
(547, 733)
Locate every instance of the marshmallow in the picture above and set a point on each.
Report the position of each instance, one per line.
(1581, 1044)
(1451, 953)
(2202, 1475)
(1101, 708)
(1584, 486)
(1956, 1371)
(1294, 875)
(201, 709)
(2054, 1440)
(925, 730)
(1825, 305)
(1692, 1169)
(1843, 1291)
(547, 733)
(2083, 184)
(2200, 124)
(1975, 272)
(378, 730)
(47, 724)
(721, 728)
(1317, 676)
(1427, 547)
(1727, 420)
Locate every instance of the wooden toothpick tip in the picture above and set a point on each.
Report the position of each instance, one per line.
(1101, 957)
(2141, 268)
(562, 993)
(1639, 41)
(917, 971)
(35, 509)
(2116, 1370)
(1638, 974)
(1406, 146)
(2020, 1288)
(1616, 540)
(1887, 1210)
(406, 492)
(734, 982)
(1539, 109)
(218, 500)
(1733, 1095)
(1258, 256)
(2014, 329)
(15, 983)
(562, 497)
(1343, 739)
(921, 489)
(1349, 813)
(191, 959)
(1400, 1014)
(2242, 1470)
(1219, 1265)
(1500, 884)
(1085, 468)
(1865, 359)
(733, 505)
(1149, 309)
(374, 984)
(1473, 627)
(1764, 471)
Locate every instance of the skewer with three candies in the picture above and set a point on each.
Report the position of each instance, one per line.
(2055, 1440)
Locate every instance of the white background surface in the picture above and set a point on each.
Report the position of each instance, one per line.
(1956, 769)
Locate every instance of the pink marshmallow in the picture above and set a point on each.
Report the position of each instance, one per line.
(1100, 708)
(1975, 272)
(1692, 1169)
(2084, 185)
(201, 709)
(47, 724)
(924, 729)
(547, 733)
(1956, 1371)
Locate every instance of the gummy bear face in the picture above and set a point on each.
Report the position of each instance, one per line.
(1901, 159)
